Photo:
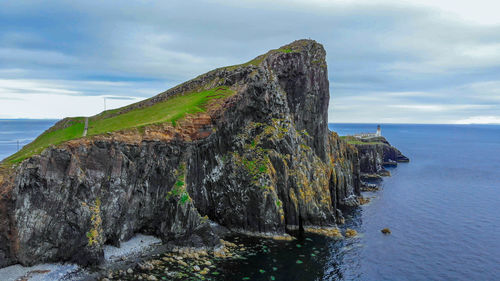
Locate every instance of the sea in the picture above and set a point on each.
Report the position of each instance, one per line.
(443, 209)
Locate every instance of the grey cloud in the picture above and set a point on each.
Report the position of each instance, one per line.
(121, 98)
(375, 52)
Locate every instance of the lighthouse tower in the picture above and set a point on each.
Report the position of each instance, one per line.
(379, 131)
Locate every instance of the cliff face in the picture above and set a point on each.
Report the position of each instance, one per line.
(262, 161)
(375, 153)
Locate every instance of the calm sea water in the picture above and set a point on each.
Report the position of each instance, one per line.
(442, 208)
(20, 131)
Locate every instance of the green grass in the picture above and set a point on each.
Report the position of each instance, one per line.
(362, 142)
(170, 110)
(286, 50)
(354, 140)
(176, 191)
(184, 198)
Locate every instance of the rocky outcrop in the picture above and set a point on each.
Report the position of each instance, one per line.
(263, 161)
(374, 154)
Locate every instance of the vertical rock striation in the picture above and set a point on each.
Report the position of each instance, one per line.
(375, 153)
(263, 161)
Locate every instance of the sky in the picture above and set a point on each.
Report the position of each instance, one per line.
(413, 61)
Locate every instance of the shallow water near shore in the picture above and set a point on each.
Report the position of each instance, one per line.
(442, 209)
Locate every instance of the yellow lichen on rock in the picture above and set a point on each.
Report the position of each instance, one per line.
(350, 233)
(327, 231)
(363, 200)
(284, 237)
(95, 233)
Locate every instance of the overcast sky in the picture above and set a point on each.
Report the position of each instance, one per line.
(414, 61)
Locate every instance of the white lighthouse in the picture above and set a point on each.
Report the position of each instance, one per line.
(379, 131)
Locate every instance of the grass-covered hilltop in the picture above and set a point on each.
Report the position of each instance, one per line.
(244, 147)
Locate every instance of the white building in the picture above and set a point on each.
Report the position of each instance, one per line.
(370, 135)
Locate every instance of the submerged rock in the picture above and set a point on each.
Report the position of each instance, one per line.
(363, 200)
(386, 231)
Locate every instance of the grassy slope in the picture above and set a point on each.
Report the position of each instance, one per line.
(353, 140)
(170, 110)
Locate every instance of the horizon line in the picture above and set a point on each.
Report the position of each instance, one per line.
(381, 123)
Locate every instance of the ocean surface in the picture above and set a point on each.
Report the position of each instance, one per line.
(443, 209)
(18, 132)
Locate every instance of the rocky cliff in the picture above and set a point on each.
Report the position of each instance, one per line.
(260, 160)
(375, 153)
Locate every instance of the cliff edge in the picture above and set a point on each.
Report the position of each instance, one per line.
(246, 147)
(374, 154)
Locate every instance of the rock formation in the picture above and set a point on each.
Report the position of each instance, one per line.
(375, 153)
(259, 161)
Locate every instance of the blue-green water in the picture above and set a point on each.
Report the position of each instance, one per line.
(442, 208)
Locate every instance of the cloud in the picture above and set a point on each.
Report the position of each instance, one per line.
(480, 120)
(55, 99)
(20, 87)
(120, 98)
(440, 107)
(53, 106)
(389, 61)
